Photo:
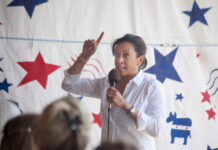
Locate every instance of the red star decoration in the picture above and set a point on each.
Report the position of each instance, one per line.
(97, 119)
(197, 55)
(211, 114)
(37, 70)
(206, 97)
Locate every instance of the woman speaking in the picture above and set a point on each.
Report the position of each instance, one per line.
(137, 112)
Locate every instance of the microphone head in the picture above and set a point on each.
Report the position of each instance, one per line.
(114, 77)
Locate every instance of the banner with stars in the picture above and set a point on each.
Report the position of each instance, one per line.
(39, 39)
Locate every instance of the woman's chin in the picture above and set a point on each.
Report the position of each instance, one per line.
(122, 74)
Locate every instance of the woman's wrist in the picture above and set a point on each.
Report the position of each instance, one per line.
(126, 106)
(83, 58)
(77, 67)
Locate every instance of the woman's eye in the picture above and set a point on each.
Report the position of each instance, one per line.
(116, 54)
(125, 55)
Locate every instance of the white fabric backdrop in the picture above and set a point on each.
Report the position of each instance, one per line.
(56, 29)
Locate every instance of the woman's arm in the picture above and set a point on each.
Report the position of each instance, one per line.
(82, 86)
(73, 83)
(152, 119)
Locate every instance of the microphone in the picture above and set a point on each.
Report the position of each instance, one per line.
(114, 77)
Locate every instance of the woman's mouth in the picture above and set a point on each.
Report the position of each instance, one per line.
(120, 68)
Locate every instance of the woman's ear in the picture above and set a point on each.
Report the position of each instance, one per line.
(141, 59)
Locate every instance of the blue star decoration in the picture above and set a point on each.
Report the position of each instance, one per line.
(197, 14)
(0, 67)
(163, 67)
(4, 85)
(179, 97)
(29, 5)
(208, 148)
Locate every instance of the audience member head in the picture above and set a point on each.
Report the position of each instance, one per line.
(17, 133)
(116, 146)
(63, 125)
(8, 110)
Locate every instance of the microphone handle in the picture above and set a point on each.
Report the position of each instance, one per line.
(113, 84)
(110, 105)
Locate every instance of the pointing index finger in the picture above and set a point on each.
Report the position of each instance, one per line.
(100, 37)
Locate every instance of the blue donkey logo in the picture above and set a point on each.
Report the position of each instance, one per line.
(179, 133)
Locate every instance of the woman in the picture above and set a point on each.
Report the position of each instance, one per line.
(63, 125)
(137, 100)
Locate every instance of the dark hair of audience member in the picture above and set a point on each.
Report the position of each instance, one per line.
(17, 133)
(116, 146)
(63, 125)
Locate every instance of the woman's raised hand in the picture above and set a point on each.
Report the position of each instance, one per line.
(90, 47)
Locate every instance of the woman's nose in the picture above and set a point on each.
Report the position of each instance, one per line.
(120, 59)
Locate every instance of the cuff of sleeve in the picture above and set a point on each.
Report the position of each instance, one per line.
(69, 78)
(142, 121)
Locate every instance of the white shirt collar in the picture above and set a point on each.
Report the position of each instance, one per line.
(138, 78)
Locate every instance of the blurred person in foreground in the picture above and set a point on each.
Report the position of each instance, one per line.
(8, 110)
(18, 133)
(63, 125)
(116, 146)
